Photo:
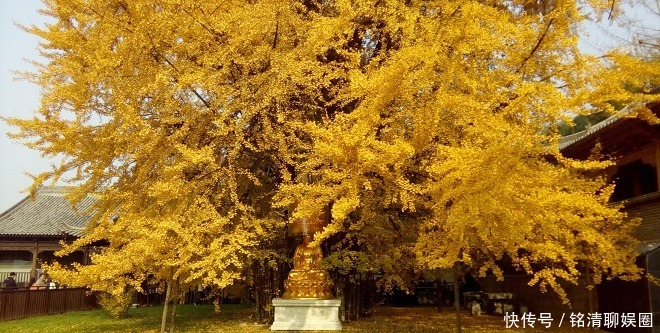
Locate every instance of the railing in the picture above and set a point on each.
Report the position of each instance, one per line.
(22, 303)
(21, 275)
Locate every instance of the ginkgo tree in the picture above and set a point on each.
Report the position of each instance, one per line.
(429, 128)
(453, 118)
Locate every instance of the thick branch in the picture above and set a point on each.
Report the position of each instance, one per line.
(609, 16)
(277, 26)
(538, 44)
(158, 55)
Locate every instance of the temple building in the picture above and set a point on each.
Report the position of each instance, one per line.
(634, 144)
(31, 232)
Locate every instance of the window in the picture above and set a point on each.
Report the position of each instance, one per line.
(634, 179)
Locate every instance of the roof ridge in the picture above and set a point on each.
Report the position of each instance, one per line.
(579, 136)
(569, 140)
(14, 207)
(54, 190)
(48, 213)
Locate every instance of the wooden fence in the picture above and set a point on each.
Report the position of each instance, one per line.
(22, 303)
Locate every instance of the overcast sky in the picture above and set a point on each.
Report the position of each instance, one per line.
(21, 99)
(17, 98)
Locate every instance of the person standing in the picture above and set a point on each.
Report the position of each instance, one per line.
(10, 282)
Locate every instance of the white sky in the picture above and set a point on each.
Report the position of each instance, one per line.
(17, 98)
(21, 99)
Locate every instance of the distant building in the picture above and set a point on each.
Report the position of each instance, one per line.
(634, 144)
(31, 231)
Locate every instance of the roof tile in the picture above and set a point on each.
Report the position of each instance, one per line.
(49, 214)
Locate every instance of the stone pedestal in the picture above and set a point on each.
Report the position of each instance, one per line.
(306, 314)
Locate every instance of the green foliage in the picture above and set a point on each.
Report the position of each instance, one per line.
(582, 122)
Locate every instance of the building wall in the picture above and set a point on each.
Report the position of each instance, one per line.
(538, 302)
(647, 153)
(647, 208)
(653, 266)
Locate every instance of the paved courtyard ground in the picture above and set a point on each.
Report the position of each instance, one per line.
(238, 319)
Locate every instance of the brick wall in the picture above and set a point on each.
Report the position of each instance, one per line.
(648, 208)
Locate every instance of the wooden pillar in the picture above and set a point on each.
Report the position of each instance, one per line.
(35, 253)
(657, 163)
(85, 255)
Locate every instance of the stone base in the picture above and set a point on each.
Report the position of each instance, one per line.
(306, 315)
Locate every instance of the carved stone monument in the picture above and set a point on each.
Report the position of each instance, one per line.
(307, 303)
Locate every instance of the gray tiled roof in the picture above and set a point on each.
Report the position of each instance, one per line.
(579, 136)
(49, 214)
(569, 140)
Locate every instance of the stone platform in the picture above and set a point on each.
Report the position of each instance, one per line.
(306, 314)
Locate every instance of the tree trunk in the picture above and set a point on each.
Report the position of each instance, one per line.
(368, 295)
(347, 298)
(163, 321)
(281, 277)
(222, 299)
(589, 290)
(264, 281)
(172, 317)
(457, 302)
(353, 292)
(257, 291)
(268, 291)
(439, 299)
(174, 301)
(358, 298)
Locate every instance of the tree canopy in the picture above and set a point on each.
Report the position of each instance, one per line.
(429, 128)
